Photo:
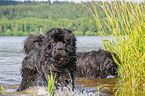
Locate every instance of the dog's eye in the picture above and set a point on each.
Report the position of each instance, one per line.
(53, 42)
(68, 40)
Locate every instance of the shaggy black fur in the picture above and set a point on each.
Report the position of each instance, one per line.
(55, 51)
(98, 64)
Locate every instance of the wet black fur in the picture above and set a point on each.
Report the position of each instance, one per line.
(56, 51)
(98, 64)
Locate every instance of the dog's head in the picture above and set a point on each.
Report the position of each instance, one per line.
(60, 45)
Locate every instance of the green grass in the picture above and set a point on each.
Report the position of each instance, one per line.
(2, 90)
(51, 81)
(126, 23)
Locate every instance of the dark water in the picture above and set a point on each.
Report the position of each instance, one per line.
(11, 56)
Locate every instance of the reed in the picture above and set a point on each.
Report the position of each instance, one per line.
(51, 82)
(126, 24)
(2, 90)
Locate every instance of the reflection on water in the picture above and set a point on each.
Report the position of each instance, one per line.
(11, 56)
(92, 84)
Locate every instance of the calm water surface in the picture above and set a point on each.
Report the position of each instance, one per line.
(11, 56)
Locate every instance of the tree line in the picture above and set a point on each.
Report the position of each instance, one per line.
(23, 18)
(23, 27)
(45, 10)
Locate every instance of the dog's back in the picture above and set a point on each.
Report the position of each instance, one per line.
(96, 64)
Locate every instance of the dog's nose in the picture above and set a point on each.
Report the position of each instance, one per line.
(59, 48)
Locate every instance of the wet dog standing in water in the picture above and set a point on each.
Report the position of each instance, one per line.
(55, 51)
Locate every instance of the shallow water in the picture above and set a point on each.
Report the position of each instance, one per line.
(11, 56)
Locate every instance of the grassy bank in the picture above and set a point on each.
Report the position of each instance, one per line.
(126, 23)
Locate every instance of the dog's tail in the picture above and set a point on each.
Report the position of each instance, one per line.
(33, 42)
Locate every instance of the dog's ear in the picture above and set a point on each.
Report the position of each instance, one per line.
(33, 42)
(48, 33)
(69, 31)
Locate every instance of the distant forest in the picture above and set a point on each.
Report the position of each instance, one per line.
(23, 18)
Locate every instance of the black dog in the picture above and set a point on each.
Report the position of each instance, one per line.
(98, 64)
(56, 51)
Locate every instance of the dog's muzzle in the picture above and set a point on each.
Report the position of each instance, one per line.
(59, 51)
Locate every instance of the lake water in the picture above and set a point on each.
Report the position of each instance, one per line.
(11, 56)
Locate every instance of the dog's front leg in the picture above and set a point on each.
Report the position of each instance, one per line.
(28, 78)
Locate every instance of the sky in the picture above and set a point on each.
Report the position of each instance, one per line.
(82, 0)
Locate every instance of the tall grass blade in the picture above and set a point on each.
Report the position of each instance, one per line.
(51, 82)
(2, 90)
(126, 25)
